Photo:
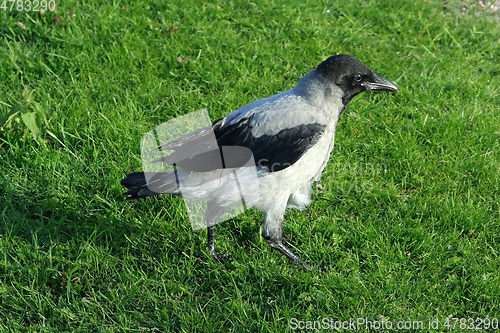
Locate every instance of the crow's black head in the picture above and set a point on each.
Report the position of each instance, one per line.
(352, 76)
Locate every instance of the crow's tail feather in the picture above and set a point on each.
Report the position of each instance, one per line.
(142, 184)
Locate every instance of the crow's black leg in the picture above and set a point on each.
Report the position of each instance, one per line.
(273, 223)
(278, 245)
(211, 242)
(212, 213)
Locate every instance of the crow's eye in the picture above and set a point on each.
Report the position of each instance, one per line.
(358, 78)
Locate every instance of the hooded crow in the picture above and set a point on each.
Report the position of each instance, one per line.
(290, 135)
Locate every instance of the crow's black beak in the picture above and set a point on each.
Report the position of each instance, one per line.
(378, 82)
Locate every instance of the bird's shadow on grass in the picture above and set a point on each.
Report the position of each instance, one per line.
(48, 222)
(124, 227)
(125, 234)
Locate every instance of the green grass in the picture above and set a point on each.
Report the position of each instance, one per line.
(422, 242)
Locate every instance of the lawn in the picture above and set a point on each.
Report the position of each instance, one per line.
(404, 225)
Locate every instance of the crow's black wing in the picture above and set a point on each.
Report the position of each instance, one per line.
(277, 131)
